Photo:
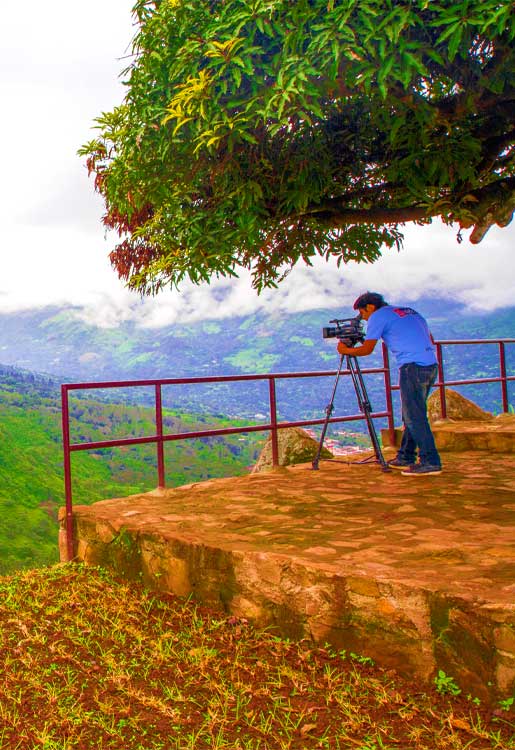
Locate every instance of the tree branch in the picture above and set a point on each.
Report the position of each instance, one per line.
(493, 204)
(362, 194)
(377, 216)
(481, 208)
(492, 148)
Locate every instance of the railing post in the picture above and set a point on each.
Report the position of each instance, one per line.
(273, 421)
(159, 445)
(65, 417)
(388, 393)
(441, 380)
(504, 383)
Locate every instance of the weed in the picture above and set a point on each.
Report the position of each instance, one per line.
(366, 661)
(445, 685)
(507, 704)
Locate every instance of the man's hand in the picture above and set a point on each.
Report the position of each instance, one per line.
(343, 349)
(358, 351)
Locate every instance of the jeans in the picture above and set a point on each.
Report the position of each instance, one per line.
(415, 383)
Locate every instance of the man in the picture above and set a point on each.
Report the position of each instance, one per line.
(407, 335)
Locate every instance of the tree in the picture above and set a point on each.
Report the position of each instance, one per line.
(257, 133)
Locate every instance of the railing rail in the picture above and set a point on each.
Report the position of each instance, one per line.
(273, 425)
(503, 377)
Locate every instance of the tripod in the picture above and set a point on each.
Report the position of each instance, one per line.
(364, 406)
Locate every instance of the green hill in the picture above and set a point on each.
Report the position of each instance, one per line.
(31, 461)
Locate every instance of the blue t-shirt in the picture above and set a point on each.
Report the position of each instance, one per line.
(404, 332)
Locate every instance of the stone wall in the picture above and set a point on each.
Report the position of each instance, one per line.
(411, 629)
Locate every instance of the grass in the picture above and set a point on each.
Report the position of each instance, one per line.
(92, 662)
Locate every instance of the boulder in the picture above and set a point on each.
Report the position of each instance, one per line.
(459, 408)
(295, 447)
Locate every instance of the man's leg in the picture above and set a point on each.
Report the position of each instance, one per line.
(415, 384)
(407, 451)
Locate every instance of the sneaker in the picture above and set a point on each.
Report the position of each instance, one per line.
(419, 470)
(400, 463)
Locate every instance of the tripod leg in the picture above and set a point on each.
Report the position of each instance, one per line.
(328, 411)
(366, 408)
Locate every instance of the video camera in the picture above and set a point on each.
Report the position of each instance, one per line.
(348, 330)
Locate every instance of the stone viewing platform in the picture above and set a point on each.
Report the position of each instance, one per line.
(415, 572)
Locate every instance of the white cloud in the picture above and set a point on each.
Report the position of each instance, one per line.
(58, 70)
(431, 264)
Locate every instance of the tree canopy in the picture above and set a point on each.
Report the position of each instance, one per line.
(257, 133)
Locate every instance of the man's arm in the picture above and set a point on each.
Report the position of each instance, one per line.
(358, 351)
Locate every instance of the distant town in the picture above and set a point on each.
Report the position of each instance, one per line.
(337, 445)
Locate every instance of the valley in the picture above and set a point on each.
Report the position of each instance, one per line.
(42, 348)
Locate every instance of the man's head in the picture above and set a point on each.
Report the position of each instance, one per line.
(368, 303)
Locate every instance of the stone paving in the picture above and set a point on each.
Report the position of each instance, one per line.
(418, 572)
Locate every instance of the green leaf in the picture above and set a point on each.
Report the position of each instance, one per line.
(385, 70)
(454, 42)
(249, 137)
(447, 33)
(416, 63)
(396, 126)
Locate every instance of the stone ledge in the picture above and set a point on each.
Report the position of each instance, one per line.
(460, 436)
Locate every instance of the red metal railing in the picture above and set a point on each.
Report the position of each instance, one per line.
(503, 378)
(273, 425)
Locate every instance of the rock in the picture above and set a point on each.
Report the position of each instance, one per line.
(505, 419)
(459, 408)
(295, 447)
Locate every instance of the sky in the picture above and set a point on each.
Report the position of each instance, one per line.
(60, 66)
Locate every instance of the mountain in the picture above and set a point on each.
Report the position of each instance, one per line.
(56, 341)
